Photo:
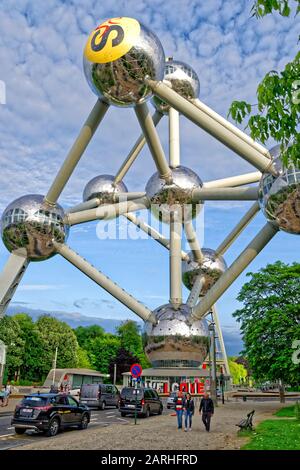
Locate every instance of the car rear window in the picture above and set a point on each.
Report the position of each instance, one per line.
(34, 401)
(130, 393)
(90, 390)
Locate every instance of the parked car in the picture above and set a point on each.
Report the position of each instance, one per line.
(146, 401)
(171, 400)
(99, 395)
(49, 412)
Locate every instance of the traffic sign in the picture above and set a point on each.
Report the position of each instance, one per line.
(136, 370)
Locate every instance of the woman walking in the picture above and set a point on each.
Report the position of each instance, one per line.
(189, 408)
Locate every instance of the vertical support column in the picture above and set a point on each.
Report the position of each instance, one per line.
(213, 369)
(220, 337)
(174, 138)
(175, 262)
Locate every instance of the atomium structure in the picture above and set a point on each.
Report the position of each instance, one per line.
(125, 66)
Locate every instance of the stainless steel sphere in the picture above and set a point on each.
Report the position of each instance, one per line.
(30, 223)
(102, 187)
(279, 196)
(183, 79)
(212, 267)
(175, 197)
(118, 55)
(173, 341)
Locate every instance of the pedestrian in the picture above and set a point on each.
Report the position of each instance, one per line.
(207, 408)
(179, 408)
(2, 397)
(189, 408)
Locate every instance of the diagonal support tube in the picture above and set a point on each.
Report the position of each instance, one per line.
(77, 150)
(250, 214)
(233, 181)
(220, 338)
(151, 136)
(212, 126)
(108, 211)
(231, 127)
(196, 291)
(153, 233)
(174, 138)
(191, 237)
(103, 281)
(137, 148)
(237, 267)
(175, 262)
(225, 194)
(95, 202)
(10, 278)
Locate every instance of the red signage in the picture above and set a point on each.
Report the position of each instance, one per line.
(136, 370)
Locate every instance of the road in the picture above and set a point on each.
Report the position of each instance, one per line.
(108, 417)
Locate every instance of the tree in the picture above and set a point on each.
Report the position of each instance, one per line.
(83, 359)
(56, 334)
(123, 361)
(102, 349)
(237, 371)
(86, 334)
(10, 334)
(278, 96)
(33, 348)
(131, 340)
(270, 322)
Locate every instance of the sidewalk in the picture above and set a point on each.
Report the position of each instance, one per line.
(9, 409)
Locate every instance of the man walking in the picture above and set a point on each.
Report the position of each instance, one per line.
(179, 408)
(207, 408)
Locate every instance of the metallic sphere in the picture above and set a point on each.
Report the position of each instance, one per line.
(212, 267)
(173, 341)
(279, 196)
(32, 224)
(174, 197)
(182, 79)
(102, 187)
(118, 56)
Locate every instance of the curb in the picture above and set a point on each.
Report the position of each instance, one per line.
(6, 413)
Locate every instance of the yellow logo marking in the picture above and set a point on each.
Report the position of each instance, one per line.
(111, 40)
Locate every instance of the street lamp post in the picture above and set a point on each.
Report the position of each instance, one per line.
(222, 382)
(213, 374)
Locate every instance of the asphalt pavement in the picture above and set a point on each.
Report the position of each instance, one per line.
(107, 417)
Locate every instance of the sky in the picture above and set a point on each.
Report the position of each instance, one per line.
(48, 99)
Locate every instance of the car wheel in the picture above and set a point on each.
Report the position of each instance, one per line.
(84, 421)
(20, 430)
(53, 428)
(123, 414)
(147, 414)
(160, 410)
(102, 407)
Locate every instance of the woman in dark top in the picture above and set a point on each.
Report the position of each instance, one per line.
(189, 408)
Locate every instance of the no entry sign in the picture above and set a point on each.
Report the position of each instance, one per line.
(136, 370)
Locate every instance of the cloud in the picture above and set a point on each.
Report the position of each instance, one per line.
(86, 303)
(39, 287)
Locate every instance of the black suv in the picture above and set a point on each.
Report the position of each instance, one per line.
(49, 412)
(146, 399)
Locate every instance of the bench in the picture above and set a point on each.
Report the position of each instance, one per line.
(247, 423)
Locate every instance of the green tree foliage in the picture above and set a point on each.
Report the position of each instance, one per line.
(237, 371)
(131, 340)
(277, 112)
(33, 348)
(123, 360)
(10, 334)
(85, 335)
(83, 360)
(102, 349)
(56, 334)
(270, 321)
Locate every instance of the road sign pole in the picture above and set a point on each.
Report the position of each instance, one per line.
(135, 410)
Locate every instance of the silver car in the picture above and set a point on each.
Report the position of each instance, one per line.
(99, 395)
(170, 400)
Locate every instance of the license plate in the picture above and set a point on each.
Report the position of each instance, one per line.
(27, 410)
(83, 401)
(130, 406)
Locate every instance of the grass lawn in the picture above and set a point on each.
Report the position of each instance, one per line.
(287, 412)
(280, 434)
